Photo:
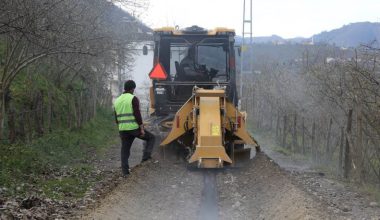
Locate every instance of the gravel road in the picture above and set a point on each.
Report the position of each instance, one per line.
(261, 189)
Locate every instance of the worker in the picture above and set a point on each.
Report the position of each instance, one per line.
(129, 121)
(188, 65)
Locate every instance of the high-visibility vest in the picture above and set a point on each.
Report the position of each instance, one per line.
(124, 112)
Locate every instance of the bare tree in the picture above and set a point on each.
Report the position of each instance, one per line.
(322, 85)
(79, 41)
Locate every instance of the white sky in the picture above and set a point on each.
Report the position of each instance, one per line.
(287, 18)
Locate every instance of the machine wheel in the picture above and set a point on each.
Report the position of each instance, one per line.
(258, 149)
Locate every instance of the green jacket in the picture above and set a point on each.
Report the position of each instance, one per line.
(124, 112)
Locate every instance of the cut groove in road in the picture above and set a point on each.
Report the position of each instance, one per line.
(209, 200)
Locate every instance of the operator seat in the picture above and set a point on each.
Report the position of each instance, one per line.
(180, 76)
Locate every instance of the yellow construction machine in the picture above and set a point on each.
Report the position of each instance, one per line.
(193, 94)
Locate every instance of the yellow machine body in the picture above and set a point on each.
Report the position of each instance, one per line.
(214, 124)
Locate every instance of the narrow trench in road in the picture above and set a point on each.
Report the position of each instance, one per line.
(209, 200)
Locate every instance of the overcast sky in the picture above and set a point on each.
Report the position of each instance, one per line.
(287, 18)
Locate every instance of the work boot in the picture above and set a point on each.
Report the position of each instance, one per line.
(146, 159)
(146, 156)
(126, 173)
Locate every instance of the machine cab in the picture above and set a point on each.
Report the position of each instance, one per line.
(190, 57)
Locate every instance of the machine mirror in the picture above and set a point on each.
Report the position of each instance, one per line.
(145, 50)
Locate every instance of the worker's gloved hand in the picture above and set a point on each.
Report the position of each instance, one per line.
(142, 132)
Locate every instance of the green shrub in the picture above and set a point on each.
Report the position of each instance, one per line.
(24, 163)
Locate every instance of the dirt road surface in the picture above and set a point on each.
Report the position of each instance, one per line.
(261, 189)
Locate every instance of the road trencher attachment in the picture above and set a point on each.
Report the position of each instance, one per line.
(211, 128)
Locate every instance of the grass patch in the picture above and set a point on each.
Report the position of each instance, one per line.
(283, 151)
(372, 190)
(43, 161)
(66, 187)
(268, 140)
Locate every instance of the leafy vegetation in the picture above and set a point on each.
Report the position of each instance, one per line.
(58, 60)
(43, 161)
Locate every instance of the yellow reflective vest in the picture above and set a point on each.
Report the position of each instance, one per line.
(124, 112)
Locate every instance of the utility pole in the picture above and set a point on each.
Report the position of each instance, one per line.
(246, 44)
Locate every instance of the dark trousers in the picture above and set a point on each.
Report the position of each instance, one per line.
(127, 138)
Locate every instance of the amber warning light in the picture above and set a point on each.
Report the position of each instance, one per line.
(158, 72)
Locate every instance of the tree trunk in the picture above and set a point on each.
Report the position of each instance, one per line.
(278, 125)
(347, 154)
(38, 114)
(294, 133)
(49, 111)
(5, 98)
(258, 116)
(313, 148)
(72, 113)
(80, 115)
(246, 97)
(359, 150)
(284, 132)
(21, 123)
(328, 147)
(11, 125)
(341, 148)
(303, 136)
(94, 98)
(94, 102)
(271, 119)
(2, 113)
(30, 127)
